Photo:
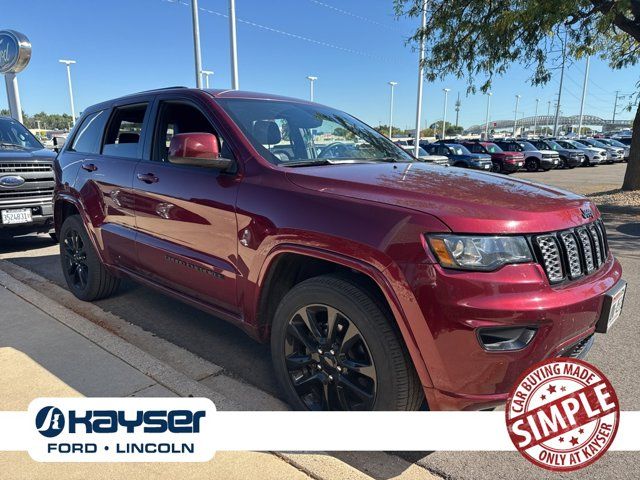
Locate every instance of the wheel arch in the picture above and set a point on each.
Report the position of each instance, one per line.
(288, 265)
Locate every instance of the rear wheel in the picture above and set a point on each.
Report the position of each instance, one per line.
(334, 348)
(86, 277)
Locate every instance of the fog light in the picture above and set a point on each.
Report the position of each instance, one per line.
(505, 338)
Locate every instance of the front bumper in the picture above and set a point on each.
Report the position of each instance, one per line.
(574, 161)
(549, 162)
(41, 215)
(513, 165)
(464, 375)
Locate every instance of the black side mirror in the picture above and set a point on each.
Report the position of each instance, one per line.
(58, 143)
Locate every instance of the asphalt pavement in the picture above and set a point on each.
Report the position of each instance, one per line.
(617, 354)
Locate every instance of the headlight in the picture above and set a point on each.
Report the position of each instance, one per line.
(465, 252)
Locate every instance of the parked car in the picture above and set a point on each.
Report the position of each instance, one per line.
(593, 156)
(503, 162)
(614, 154)
(26, 181)
(382, 283)
(425, 157)
(624, 140)
(612, 142)
(458, 155)
(534, 159)
(569, 157)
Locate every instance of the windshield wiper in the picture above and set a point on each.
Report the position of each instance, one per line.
(330, 161)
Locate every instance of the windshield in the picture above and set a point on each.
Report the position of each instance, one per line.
(300, 134)
(616, 143)
(553, 145)
(13, 133)
(459, 150)
(527, 147)
(595, 143)
(493, 148)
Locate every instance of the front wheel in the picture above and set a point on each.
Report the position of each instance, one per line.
(335, 348)
(86, 277)
(532, 164)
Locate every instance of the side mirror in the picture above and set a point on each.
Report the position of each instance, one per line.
(58, 143)
(198, 150)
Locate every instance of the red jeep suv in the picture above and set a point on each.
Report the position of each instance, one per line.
(503, 162)
(382, 283)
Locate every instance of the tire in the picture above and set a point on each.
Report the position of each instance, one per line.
(532, 164)
(323, 376)
(83, 271)
(460, 165)
(498, 168)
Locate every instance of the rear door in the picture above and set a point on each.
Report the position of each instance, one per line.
(187, 231)
(108, 146)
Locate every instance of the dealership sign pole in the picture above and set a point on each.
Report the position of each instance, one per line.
(15, 53)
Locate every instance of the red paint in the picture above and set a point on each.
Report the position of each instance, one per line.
(194, 145)
(183, 232)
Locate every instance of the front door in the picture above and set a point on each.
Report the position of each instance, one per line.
(187, 232)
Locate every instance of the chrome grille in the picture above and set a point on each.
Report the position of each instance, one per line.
(571, 254)
(13, 167)
(551, 257)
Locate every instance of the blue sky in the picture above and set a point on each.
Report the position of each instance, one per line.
(354, 46)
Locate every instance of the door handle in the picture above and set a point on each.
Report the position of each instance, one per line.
(147, 177)
(89, 167)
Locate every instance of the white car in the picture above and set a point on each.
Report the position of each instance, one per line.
(425, 157)
(595, 156)
(612, 142)
(614, 154)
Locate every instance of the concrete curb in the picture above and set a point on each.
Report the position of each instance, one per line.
(148, 365)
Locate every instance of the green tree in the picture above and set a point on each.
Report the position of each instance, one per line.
(481, 39)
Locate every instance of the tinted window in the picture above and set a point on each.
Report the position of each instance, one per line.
(124, 132)
(179, 117)
(87, 140)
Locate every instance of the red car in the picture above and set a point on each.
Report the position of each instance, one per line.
(381, 283)
(503, 162)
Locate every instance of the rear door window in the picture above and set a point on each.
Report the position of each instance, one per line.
(125, 131)
(90, 133)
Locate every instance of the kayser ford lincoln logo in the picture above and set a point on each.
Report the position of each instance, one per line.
(11, 181)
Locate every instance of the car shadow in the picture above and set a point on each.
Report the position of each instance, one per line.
(25, 243)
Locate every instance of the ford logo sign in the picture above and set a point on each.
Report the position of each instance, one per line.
(15, 51)
(11, 181)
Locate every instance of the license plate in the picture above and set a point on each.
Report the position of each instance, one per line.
(612, 308)
(487, 167)
(519, 164)
(19, 215)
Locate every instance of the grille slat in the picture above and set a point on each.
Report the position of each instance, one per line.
(583, 250)
(15, 167)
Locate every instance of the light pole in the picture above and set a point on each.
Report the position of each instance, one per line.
(584, 94)
(235, 82)
(206, 74)
(564, 59)
(392, 84)
(311, 80)
(68, 63)
(196, 42)
(486, 123)
(444, 112)
(416, 141)
(535, 118)
(515, 118)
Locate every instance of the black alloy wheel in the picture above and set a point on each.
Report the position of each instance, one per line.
(75, 259)
(328, 360)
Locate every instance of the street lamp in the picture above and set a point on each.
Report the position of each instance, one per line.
(311, 80)
(515, 118)
(535, 118)
(392, 84)
(206, 74)
(444, 112)
(235, 82)
(486, 123)
(68, 63)
(196, 42)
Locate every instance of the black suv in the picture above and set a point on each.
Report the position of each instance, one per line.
(569, 158)
(26, 181)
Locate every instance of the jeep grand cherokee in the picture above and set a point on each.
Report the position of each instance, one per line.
(381, 282)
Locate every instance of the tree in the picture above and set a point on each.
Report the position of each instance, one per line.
(450, 128)
(481, 39)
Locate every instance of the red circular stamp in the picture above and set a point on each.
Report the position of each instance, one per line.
(563, 414)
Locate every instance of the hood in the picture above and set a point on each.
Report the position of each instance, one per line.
(596, 150)
(467, 201)
(548, 152)
(43, 154)
(478, 156)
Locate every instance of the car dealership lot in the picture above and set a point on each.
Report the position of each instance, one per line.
(220, 343)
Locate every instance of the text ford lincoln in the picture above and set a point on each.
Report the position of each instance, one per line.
(381, 282)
